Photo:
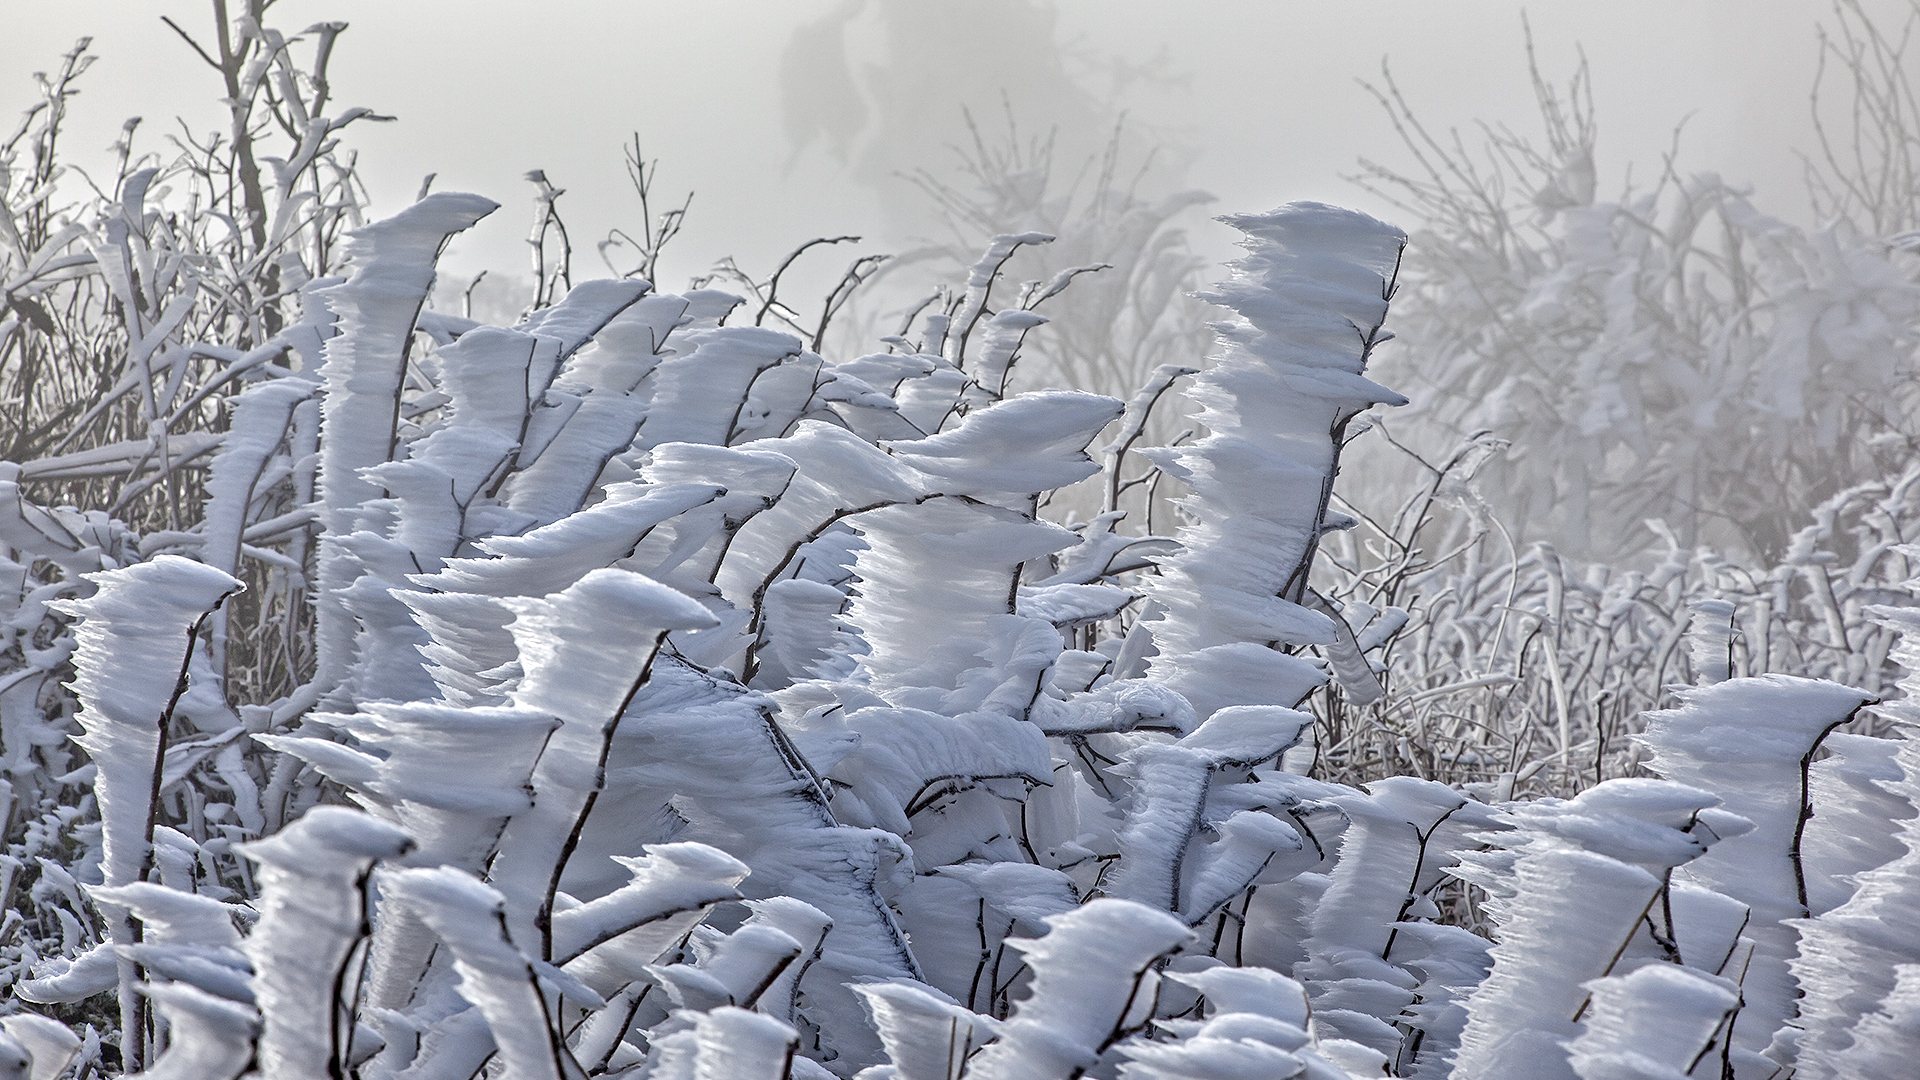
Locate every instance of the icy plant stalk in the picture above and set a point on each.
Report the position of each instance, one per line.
(1311, 295)
(393, 269)
(1752, 742)
(1856, 964)
(136, 634)
(313, 914)
(1093, 981)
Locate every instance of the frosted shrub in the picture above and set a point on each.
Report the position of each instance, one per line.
(879, 759)
(1628, 411)
(724, 672)
(1527, 670)
(682, 702)
(1672, 352)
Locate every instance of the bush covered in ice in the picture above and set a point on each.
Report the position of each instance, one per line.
(637, 691)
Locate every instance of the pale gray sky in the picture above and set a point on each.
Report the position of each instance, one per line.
(1262, 92)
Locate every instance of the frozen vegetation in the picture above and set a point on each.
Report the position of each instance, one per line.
(637, 691)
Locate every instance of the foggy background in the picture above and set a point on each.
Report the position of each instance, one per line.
(1253, 101)
(1100, 121)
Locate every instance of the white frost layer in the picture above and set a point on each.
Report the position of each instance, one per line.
(1092, 971)
(699, 396)
(735, 779)
(925, 1034)
(52, 1043)
(208, 1038)
(839, 474)
(365, 363)
(1033, 443)
(1402, 835)
(1744, 740)
(1287, 378)
(907, 759)
(1574, 912)
(929, 630)
(726, 1043)
(392, 270)
(134, 636)
(1886, 1043)
(1163, 860)
(667, 880)
(450, 777)
(1851, 958)
(496, 977)
(256, 426)
(312, 908)
(470, 640)
(172, 917)
(1857, 815)
(586, 651)
(1658, 1021)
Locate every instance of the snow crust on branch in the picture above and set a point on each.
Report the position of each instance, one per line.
(1750, 741)
(1310, 296)
(135, 634)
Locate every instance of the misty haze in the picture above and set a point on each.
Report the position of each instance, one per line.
(996, 539)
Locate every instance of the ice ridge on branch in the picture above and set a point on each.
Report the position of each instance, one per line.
(1287, 377)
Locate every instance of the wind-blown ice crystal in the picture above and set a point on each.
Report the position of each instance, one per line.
(363, 372)
(136, 635)
(1856, 962)
(1751, 741)
(1289, 375)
